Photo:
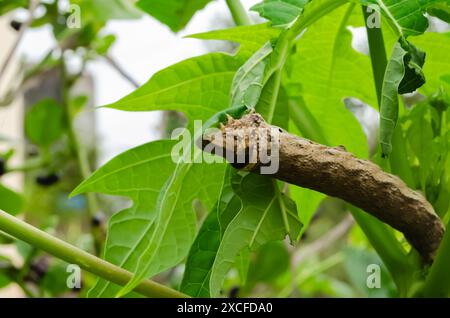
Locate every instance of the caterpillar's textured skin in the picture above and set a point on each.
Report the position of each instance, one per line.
(336, 172)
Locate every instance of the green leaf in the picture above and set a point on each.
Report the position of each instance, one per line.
(414, 76)
(174, 208)
(438, 64)
(440, 10)
(273, 103)
(323, 71)
(280, 12)
(259, 221)
(204, 249)
(394, 74)
(10, 201)
(174, 229)
(54, 281)
(405, 16)
(104, 10)
(201, 258)
(198, 87)
(438, 281)
(176, 14)
(248, 81)
(271, 261)
(8, 5)
(4, 280)
(250, 37)
(44, 122)
(141, 175)
(420, 138)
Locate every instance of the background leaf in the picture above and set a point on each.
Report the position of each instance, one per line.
(271, 261)
(436, 45)
(173, 13)
(44, 122)
(440, 10)
(259, 221)
(8, 5)
(10, 201)
(322, 71)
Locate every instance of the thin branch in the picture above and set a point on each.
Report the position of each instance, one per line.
(335, 172)
(23, 29)
(114, 64)
(73, 255)
(335, 234)
(82, 155)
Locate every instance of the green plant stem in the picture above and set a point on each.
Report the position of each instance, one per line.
(377, 52)
(26, 290)
(29, 165)
(305, 121)
(238, 12)
(74, 255)
(81, 154)
(438, 280)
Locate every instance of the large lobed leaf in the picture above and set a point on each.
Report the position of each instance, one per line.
(248, 214)
(204, 249)
(259, 221)
(198, 87)
(141, 174)
(323, 71)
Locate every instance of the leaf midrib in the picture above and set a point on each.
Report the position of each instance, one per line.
(258, 227)
(148, 95)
